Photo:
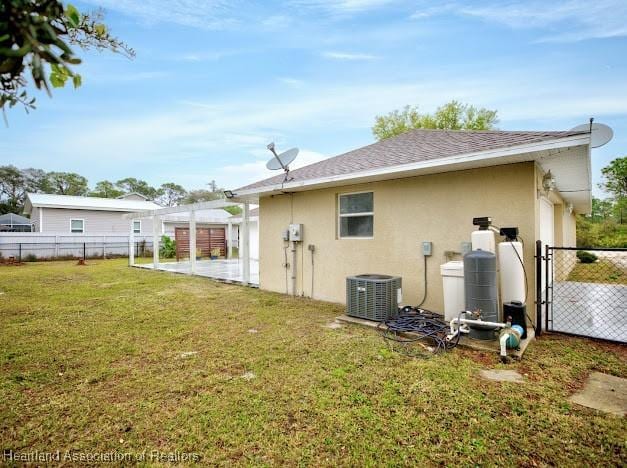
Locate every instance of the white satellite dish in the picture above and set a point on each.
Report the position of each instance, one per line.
(600, 133)
(283, 160)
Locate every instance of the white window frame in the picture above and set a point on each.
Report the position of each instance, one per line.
(137, 231)
(349, 215)
(76, 232)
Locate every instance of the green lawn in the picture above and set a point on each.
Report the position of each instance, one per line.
(606, 271)
(92, 360)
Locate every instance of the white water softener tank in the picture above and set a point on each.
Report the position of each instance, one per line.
(453, 288)
(483, 239)
(512, 272)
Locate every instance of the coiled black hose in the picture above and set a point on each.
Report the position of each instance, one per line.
(413, 325)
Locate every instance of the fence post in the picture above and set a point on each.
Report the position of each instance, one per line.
(19, 255)
(104, 247)
(56, 246)
(84, 251)
(546, 285)
(538, 287)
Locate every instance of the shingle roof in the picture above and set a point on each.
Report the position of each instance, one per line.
(411, 147)
(89, 203)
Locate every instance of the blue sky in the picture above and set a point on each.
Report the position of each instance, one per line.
(214, 81)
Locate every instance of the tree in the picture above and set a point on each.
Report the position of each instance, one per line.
(201, 195)
(171, 194)
(16, 183)
(601, 209)
(451, 116)
(106, 189)
(131, 184)
(67, 183)
(35, 38)
(615, 183)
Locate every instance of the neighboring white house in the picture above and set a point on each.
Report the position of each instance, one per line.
(87, 215)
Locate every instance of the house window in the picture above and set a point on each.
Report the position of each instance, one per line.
(137, 226)
(356, 215)
(77, 226)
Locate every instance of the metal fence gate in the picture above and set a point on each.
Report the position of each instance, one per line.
(584, 292)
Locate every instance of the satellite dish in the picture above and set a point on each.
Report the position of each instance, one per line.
(600, 133)
(283, 160)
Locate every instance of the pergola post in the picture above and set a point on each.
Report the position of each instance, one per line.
(131, 245)
(155, 241)
(245, 245)
(192, 242)
(229, 239)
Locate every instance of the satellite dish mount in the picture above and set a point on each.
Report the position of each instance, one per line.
(282, 161)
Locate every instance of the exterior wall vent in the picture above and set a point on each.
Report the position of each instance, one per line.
(373, 297)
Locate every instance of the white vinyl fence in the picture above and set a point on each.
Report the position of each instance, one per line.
(25, 245)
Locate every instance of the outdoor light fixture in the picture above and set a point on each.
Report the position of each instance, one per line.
(570, 208)
(548, 182)
(229, 194)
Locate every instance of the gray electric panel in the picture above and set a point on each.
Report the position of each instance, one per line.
(373, 297)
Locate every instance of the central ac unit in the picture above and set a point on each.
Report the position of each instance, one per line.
(373, 297)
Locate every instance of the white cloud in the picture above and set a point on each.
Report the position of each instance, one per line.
(206, 14)
(580, 19)
(348, 56)
(292, 82)
(344, 6)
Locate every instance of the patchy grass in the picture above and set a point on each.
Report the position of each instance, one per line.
(604, 270)
(107, 358)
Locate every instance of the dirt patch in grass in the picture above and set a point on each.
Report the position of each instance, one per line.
(90, 360)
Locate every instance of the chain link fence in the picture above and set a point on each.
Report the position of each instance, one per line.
(586, 292)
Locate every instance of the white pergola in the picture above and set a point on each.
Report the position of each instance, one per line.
(191, 211)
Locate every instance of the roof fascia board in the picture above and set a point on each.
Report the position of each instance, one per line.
(576, 140)
(88, 208)
(208, 205)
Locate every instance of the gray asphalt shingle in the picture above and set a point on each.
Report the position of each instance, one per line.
(411, 147)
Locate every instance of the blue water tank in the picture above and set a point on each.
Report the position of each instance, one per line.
(481, 291)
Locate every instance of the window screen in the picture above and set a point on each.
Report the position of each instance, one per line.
(77, 225)
(356, 215)
(137, 227)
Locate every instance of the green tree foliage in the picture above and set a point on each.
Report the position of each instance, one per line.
(15, 183)
(171, 194)
(67, 183)
(615, 183)
(131, 184)
(167, 247)
(451, 116)
(106, 189)
(35, 39)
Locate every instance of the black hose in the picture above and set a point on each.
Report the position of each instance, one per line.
(414, 324)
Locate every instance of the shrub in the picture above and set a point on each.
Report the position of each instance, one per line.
(168, 247)
(30, 258)
(586, 257)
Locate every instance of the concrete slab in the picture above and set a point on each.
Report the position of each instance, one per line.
(501, 375)
(465, 342)
(603, 392)
(228, 271)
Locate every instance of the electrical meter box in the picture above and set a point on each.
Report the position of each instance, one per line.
(285, 234)
(296, 232)
(427, 248)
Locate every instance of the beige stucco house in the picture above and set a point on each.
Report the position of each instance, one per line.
(369, 210)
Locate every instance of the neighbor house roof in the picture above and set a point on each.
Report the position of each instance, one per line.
(415, 148)
(45, 200)
(11, 219)
(251, 214)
